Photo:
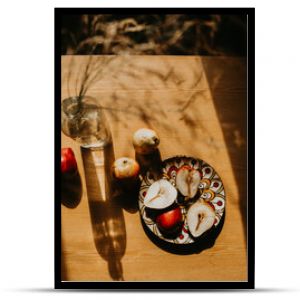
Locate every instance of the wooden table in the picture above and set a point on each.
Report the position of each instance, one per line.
(198, 107)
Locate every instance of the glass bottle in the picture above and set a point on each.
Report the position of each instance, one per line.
(83, 120)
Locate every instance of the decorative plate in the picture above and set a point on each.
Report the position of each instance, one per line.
(211, 190)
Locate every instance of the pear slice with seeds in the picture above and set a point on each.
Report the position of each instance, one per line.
(200, 218)
(187, 181)
(161, 194)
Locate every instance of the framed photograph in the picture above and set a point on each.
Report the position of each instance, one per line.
(154, 127)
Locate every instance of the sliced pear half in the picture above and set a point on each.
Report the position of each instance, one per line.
(187, 181)
(161, 194)
(200, 218)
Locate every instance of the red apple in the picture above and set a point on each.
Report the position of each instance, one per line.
(68, 161)
(125, 167)
(170, 220)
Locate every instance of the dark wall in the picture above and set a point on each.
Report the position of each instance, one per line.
(154, 34)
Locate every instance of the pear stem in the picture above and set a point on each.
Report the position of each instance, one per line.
(188, 181)
(158, 195)
(199, 221)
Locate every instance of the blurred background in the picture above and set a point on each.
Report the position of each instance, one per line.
(213, 35)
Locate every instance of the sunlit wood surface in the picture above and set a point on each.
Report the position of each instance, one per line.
(198, 107)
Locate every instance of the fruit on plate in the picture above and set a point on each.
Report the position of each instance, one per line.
(68, 161)
(145, 141)
(161, 194)
(170, 221)
(125, 167)
(187, 181)
(200, 218)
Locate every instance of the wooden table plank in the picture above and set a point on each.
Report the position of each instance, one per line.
(172, 95)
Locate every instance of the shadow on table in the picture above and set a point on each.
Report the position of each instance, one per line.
(127, 198)
(106, 214)
(151, 163)
(227, 80)
(206, 241)
(71, 190)
(71, 193)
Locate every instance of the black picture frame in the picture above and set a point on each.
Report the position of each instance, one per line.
(150, 286)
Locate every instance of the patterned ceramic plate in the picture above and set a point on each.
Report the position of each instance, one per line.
(211, 190)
